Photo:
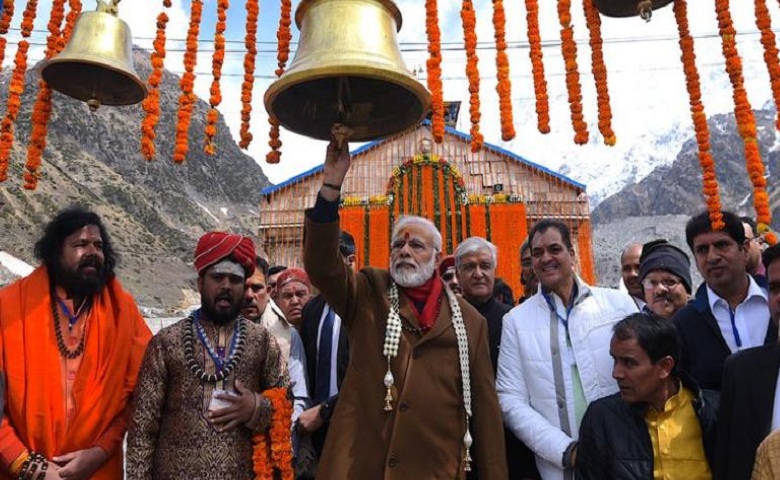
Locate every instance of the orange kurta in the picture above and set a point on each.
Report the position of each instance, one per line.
(35, 416)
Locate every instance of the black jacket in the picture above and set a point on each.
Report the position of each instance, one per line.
(746, 404)
(703, 348)
(615, 442)
(312, 314)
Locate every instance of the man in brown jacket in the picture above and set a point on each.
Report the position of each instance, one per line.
(419, 399)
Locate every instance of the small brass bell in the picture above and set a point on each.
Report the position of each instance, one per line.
(96, 66)
(630, 8)
(348, 69)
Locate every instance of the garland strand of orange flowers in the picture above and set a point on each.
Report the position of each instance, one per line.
(151, 103)
(15, 90)
(764, 24)
(504, 87)
(216, 69)
(537, 66)
(283, 36)
(272, 451)
(5, 23)
(469, 19)
(252, 13)
(433, 65)
(692, 81)
(599, 70)
(187, 83)
(746, 121)
(569, 47)
(70, 21)
(42, 108)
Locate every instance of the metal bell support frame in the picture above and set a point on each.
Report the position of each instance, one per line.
(348, 69)
(96, 66)
(630, 8)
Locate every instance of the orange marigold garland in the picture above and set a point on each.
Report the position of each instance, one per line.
(216, 69)
(709, 179)
(469, 19)
(537, 66)
(151, 103)
(252, 13)
(504, 87)
(764, 24)
(5, 23)
(42, 108)
(272, 451)
(746, 121)
(433, 65)
(187, 83)
(283, 36)
(15, 90)
(599, 72)
(569, 47)
(70, 21)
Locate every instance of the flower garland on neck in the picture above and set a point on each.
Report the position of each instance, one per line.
(390, 350)
(272, 451)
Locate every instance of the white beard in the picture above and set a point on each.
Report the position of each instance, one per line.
(408, 278)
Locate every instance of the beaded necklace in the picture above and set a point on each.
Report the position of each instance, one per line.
(393, 339)
(224, 367)
(64, 351)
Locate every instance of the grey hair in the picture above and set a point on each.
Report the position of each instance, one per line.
(406, 220)
(474, 245)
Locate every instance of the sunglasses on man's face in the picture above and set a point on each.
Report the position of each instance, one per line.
(448, 276)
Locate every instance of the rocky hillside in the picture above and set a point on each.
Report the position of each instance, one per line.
(155, 211)
(676, 189)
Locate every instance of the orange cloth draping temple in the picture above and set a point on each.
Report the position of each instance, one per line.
(35, 410)
(430, 187)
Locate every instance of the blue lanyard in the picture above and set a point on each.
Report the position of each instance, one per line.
(218, 358)
(733, 315)
(72, 319)
(552, 306)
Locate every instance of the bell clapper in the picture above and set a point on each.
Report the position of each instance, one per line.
(645, 8)
(93, 104)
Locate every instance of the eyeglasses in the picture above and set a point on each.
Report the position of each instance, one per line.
(448, 276)
(652, 284)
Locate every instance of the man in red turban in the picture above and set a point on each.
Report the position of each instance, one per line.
(294, 290)
(204, 382)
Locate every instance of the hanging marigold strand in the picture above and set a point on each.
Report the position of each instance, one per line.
(433, 66)
(272, 450)
(187, 83)
(5, 23)
(216, 69)
(469, 19)
(599, 70)
(252, 13)
(764, 24)
(709, 179)
(569, 47)
(746, 121)
(151, 104)
(504, 87)
(42, 107)
(283, 36)
(15, 90)
(537, 66)
(70, 21)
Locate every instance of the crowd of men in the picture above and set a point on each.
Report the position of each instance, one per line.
(427, 370)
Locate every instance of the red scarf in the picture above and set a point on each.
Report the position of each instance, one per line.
(430, 293)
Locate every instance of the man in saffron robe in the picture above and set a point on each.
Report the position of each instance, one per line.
(199, 398)
(425, 405)
(71, 343)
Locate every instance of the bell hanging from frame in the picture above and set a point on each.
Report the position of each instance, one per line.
(348, 69)
(630, 8)
(96, 66)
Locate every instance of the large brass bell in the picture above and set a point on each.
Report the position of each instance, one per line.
(96, 66)
(348, 69)
(630, 8)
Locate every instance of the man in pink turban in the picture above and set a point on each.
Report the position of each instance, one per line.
(294, 290)
(202, 382)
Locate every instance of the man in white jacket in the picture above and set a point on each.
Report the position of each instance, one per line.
(554, 357)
